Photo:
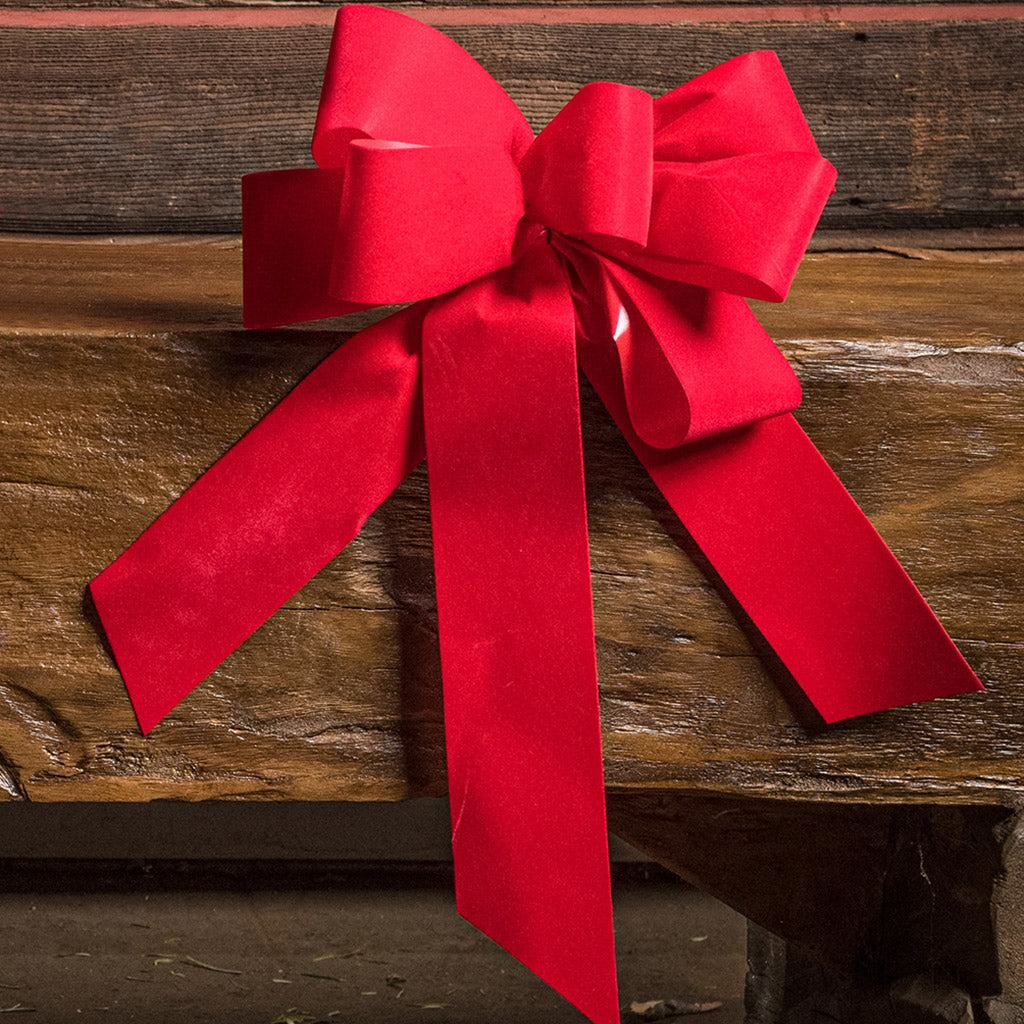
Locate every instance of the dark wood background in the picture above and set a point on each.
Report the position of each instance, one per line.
(148, 128)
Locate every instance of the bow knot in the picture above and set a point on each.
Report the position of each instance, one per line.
(418, 220)
(590, 171)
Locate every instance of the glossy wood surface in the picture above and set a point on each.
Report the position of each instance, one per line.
(126, 373)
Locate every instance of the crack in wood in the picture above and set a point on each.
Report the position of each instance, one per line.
(10, 778)
(45, 712)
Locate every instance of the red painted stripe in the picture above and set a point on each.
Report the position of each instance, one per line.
(284, 16)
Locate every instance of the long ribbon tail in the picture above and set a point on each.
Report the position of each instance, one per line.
(794, 548)
(501, 410)
(265, 518)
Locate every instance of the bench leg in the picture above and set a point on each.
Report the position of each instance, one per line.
(859, 914)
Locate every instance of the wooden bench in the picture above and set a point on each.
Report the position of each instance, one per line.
(880, 860)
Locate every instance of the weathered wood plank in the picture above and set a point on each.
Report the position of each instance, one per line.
(436, 10)
(149, 128)
(126, 374)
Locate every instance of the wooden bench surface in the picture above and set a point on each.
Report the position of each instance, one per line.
(126, 373)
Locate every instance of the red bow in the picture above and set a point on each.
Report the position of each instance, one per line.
(623, 237)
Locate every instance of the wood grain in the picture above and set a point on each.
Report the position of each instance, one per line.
(126, 373)
(149, 128)
(618, 9)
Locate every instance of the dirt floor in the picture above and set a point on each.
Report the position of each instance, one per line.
(281, 943)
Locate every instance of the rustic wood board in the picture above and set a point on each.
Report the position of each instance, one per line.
(126, 373)
(148, 128)
(620, 10)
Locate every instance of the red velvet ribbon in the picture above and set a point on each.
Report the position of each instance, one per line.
(623, 239)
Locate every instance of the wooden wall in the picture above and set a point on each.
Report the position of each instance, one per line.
(142, 118)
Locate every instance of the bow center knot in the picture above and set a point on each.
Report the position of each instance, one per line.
(591, 170)
(417, 220)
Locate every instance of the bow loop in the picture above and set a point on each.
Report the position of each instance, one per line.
(391, 77)
(693, 363)
(289, 222)
(738, 183)
(590, 171)
(743, 106)
(416, 221)
(739, 224)
(719, 355)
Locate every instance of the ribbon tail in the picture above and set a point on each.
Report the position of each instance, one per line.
(501, 410)
(265, 518)
(796, 551)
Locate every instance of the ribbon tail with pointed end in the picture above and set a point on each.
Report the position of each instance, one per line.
(501, 411)
(264, 519)
(819, 583)
(794, 549)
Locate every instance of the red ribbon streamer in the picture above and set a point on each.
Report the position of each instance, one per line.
(624, 237)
